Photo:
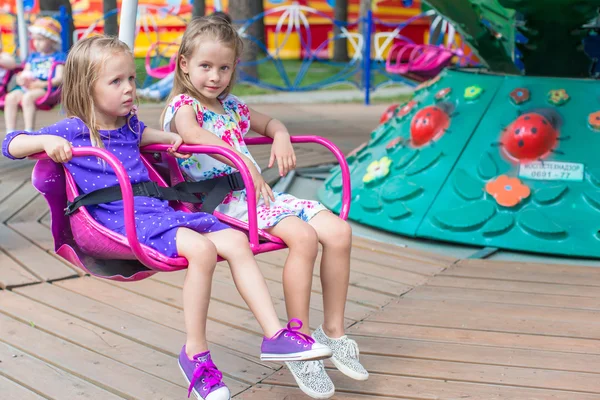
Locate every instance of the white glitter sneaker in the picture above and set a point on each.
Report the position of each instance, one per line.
(312, 378)
(345, 354)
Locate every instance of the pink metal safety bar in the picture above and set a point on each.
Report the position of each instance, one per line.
(82, 241)
(273, 243)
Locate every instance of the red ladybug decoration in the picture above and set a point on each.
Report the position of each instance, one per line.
(429, 123)
(529, 137)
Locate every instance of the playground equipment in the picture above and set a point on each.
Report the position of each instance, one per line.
(49, 100)
(490, 157)
(79, 239)
(155, 54)
(424, 61)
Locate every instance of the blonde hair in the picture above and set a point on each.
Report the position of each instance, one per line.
(81, 72)
(212, 28)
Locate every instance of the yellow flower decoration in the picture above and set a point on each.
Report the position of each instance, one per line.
(558, 97)
(377, 170)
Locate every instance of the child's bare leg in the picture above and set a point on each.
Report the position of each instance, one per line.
(335, 235)
(202, 258)
(233, 246)
(11, 107)
(29, 107)
(303, 245)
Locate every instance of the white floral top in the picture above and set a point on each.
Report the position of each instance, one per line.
(231, 127)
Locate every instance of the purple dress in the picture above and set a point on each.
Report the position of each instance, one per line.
(156, 222)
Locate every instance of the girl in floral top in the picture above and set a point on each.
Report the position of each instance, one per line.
(202, 110)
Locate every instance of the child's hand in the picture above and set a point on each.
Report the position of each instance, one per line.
(283, 152)
(260, 186)
(25, 78)
(58, 149)
(176, 142)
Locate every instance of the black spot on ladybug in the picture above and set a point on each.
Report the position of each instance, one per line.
(521, 143)
(428, 115)
(527, 117)
(517, 131)
(424, 121)
(597, 118)
(534, 130)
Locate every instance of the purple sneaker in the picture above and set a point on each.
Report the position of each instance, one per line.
(203, 377)
(289, 344)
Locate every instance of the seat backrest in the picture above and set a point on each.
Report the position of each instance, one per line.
(84, 242)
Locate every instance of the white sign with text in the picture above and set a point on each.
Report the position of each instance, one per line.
(552, 171)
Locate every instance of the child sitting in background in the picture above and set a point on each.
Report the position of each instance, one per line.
(32, 82)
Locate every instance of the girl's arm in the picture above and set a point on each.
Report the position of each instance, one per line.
(56, 147)
(154, 136)
(282, 149)
(266, 126)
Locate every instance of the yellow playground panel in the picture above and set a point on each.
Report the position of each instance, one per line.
(165, 21)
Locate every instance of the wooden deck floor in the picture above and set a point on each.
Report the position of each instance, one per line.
(429, 326)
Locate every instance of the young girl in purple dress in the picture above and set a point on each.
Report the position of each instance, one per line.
(202, 110)
(106, 118)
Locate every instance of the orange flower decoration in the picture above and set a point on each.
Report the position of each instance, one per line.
(594, 120)
(507, 191)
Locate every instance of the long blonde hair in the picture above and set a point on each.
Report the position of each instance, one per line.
(212, 28)
(81, 72)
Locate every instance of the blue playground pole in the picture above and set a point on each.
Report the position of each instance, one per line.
(64, 20)
(367, 57)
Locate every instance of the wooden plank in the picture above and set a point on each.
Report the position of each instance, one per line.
(480, 338)
(481, 308)
(8, 187)
(358, 295)
(270, 392)
(361, 268)
(467, 353)
(518, 267)
(374, 290)
(397, 261)
(386, 248)
(11, 390)
(514, 286)
(91, 337)
(95, 368)
(222, 292)
(168, 314)
(148, 333)
(36, 233)
(481, 373)
(17, 200)
(47, 379)
(422, 388)
(360, 302)
(37, 260)
(466, 319)
(13, 274)
(32, 212)
(437, 293)
(584, 276)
